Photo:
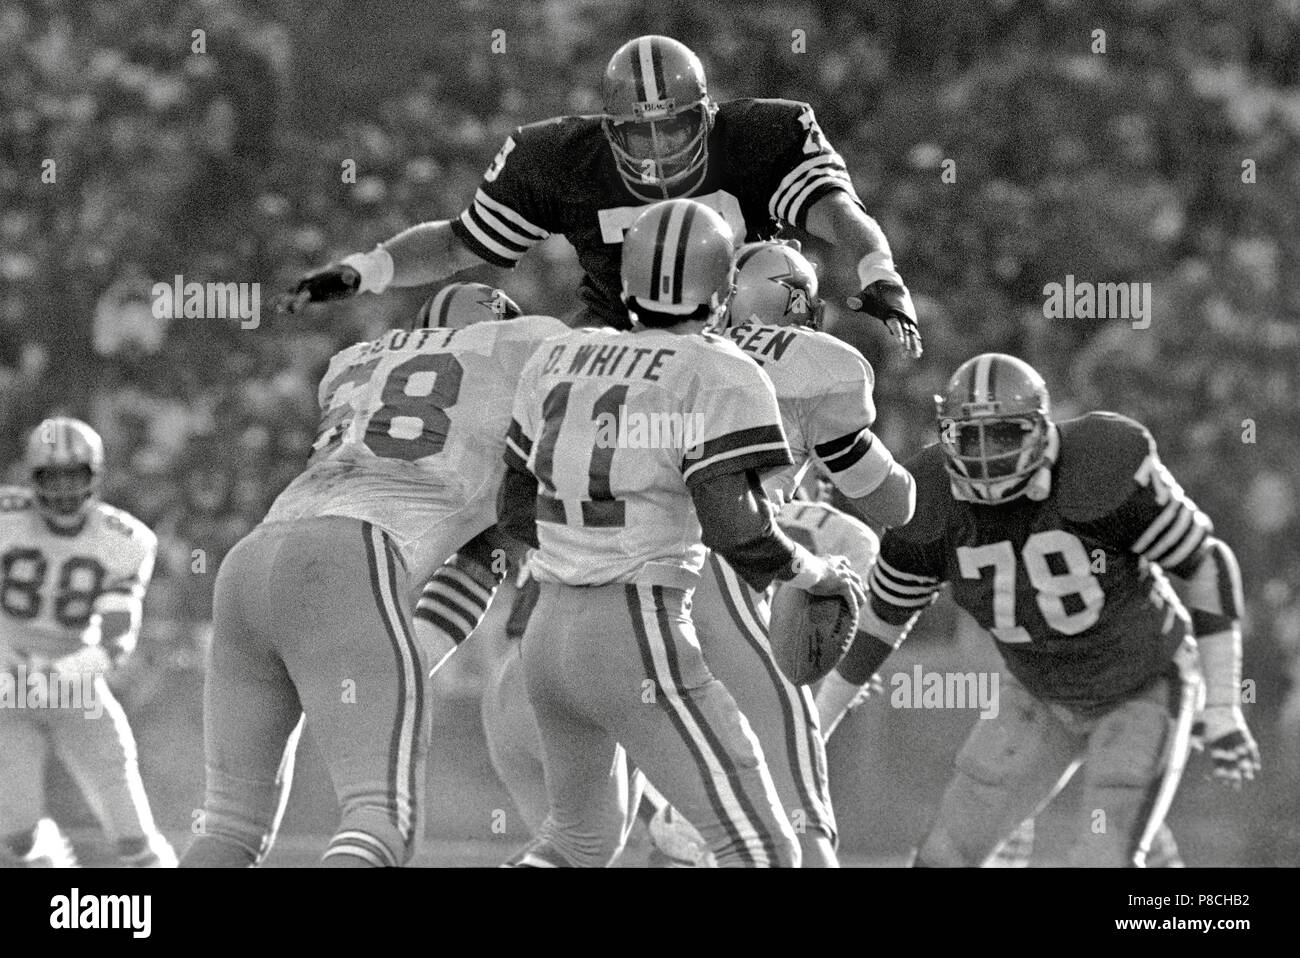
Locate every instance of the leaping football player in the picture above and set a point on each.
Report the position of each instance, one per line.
(759, 163)
(313, 609)
(1058, 538)
(73, 574)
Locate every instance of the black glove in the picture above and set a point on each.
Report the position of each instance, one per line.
(335, 281)
(891, 303)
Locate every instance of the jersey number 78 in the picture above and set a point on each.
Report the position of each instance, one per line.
(1051, 588)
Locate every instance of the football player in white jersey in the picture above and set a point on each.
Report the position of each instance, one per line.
(629, 455)
(312, 611)
(73, 573)
(823, 389)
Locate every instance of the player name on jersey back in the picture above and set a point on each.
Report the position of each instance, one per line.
(616, 427)
(413, 425)
(824, 389)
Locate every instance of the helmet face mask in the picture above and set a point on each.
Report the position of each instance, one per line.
(657, 116)
(994, 428)
(65, 459)
(64, 492)
(993, 458)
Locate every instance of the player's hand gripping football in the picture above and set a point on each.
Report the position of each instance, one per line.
(1222, 728)
(836, 577)
(335, 281)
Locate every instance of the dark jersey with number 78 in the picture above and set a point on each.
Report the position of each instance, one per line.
(1072, 586)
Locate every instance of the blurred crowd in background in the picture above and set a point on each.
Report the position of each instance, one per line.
(1150, 141)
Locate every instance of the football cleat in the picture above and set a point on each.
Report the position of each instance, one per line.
(657, 117)
(65, 459)
(677, 263)
(994, 427)
(464, 304)
(775, 285)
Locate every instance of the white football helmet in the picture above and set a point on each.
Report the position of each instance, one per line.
(65, 459)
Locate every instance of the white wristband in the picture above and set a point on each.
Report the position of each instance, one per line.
(876, 266)
(375, 267)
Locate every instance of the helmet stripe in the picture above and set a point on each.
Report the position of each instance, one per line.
(993, 378)
(657, 261)
(444, 308)
(683, 241)
(980, 388)
(657, 60)
(646, 86)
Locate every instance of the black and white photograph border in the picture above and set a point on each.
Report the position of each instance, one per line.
(594, 434)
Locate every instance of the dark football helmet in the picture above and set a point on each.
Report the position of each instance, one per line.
(994, 427)
(658, 115)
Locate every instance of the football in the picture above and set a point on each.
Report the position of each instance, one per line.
(810, 633)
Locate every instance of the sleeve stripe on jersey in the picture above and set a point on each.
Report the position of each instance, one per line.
(1174, 540)
(886, 594)
(815, 189)
(502, 250)
(904, 577)
(760, 440)
(859, 446)
(783, 188)
(756, 458)
(534, 233)
(499, 228)
(1178, 501)
(1189, 543)
(807, 176)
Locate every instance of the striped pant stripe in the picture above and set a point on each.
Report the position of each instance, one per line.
(754, 829)
(402, 787)
(796, 703)
(654, 658)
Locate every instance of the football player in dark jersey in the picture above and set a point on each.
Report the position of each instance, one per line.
(1057, 538)
(761, 163)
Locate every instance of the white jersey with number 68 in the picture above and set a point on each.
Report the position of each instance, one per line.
(412, 430)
